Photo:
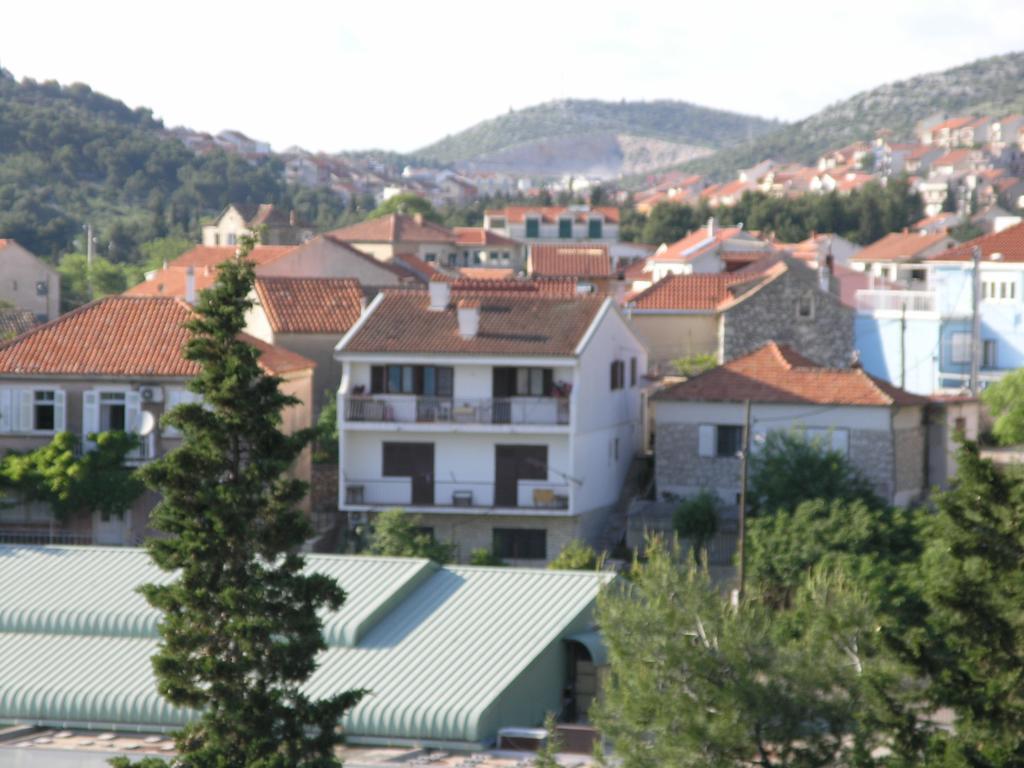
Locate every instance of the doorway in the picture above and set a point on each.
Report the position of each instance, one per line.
(513, 463)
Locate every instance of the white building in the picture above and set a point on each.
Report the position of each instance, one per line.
(555, 223)
(508, 422)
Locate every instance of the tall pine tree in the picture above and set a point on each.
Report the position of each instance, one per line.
(240, 632)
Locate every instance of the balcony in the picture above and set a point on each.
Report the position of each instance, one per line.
(410, 409)
(869, 300)
(471, 495)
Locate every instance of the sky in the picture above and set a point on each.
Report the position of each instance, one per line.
(398, 75)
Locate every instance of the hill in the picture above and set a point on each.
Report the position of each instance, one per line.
(992, 86)
(71, 156)
(606, 138)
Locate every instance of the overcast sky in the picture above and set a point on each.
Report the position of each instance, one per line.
(398, 75)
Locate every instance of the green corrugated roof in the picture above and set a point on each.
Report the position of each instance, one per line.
(439, 648)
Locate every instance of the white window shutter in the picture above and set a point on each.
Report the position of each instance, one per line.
(174, 399)
(132, 409)
(90, 416)
(6, 411)
(24, 406)
(841, 441)
(59, 411)
(706, 440)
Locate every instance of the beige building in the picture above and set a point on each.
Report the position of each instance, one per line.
(386, 237)
(269, 224)
(114, 364)
(27, 282)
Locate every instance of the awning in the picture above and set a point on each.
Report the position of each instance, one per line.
(594, 644)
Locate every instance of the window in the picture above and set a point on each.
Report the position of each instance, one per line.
(520, 543)
(960, 425)
(522, 382)
(618, 374)
(429, 380)
(112, 412)
(805, 306)
(430, 258)
(44, 411)
(565, 228)
(595, 229)
(532, 226)
(632, 371)
(988, 359)
(232, 239)
(728, 440)
(498, 222)
(960, 348)
(476, 257)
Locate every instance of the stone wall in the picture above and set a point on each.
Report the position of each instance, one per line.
(323, 490)
(770, 314)
(911, 445)
(469, 532)
(871, 454)
(679, 468)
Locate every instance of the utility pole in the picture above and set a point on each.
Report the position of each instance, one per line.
(903, 346)
(88, 258)
(741, 549)
(975, 320)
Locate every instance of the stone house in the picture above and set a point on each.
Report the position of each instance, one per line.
(731, 313)
(265, 221)
(104, 367)
(387, 237)
(882, 429)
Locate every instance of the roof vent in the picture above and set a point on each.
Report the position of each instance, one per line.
(190, 285)
(440, 295)
(469, 318)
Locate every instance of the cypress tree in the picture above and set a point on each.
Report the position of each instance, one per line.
(240, 631)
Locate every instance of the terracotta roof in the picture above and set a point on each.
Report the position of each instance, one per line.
(511, 324)
(412, 265)
(487, 273)
(899, 246)
(938, 218)
(481, 236)
(570, 260)
(564, 287)
(953, 123)
(277, 360)
(394, 228)
(132, 336)
(212, 255)
(953, 157)
(310, 304)
(14, 321)
(516, 214)
(776, 373)
(691, 292)
(171, 282)
(1009, 244)
(695, 244)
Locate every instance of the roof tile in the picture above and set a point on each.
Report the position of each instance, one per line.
(310, 304)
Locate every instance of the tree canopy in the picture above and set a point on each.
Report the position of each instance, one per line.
(408, 204)
(397, 534)
(1005, 401)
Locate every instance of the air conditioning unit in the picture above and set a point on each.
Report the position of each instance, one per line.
(151, 394)
(521, 739)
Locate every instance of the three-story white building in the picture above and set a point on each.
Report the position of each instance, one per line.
(507, 420)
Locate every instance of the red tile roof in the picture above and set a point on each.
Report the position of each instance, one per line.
(512, 324)
(695, 244)
(1009, 244)
(394, 228)
(481, 236)
(516, 214)
(487, 273)
(900, 246)
(954, 157)
(14, 321)
(212, 255)
(692, 292)
(310, 304)
(171, 282)
(570, 260)
(776, 373)
(130, 336)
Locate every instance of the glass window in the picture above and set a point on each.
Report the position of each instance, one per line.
(595, 229)
(394, 378)
(989, 353)
(445, 377)
(429, 380)
(112, 411)
(533, 227)
(430, 257)
(408, 379)
(537, 382)
(729, 440)
(44, 416)
(960, 348)
(520, 543)
(805, 306)
(565, 228)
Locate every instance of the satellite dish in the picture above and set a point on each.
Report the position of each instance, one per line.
(147, 423)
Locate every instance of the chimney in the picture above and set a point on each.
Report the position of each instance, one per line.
(418, 218)
(711, 226)
(190, 285)
(469, 318)
(440, 295)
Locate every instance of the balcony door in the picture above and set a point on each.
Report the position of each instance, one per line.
(513, 463)
(415, 461)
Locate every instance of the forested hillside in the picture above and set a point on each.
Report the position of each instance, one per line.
(71, 156)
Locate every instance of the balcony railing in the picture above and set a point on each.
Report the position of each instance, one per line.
(398, 492)
(459, 410)
(870, 300)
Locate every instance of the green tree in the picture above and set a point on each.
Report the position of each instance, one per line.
(74, 483)
(325, 448)
(79, 284)
(693, 365)
(408, 204)
(970, 645)
(547, 755)
(695, 681)
(484, 556)
(789, 469)
(241, 625)
(575, 556)
(1005, 401)
(696, 520)
(396, 534)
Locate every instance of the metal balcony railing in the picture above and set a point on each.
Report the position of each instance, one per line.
(399, 492)
(458, 410)
(869, 300)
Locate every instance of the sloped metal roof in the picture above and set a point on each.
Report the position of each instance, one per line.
(442, 649)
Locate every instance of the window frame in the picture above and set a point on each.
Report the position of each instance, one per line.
(960, 340)
(520, 543)
(735, 433)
